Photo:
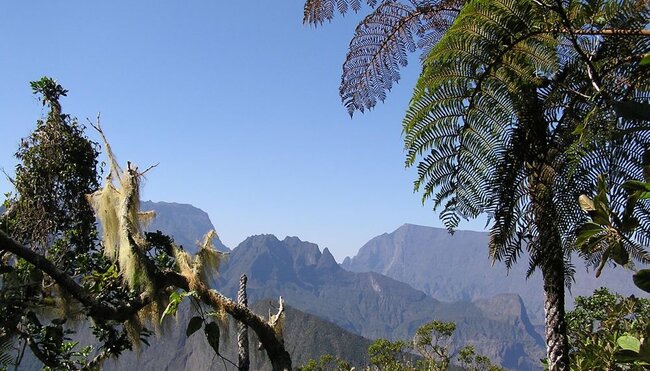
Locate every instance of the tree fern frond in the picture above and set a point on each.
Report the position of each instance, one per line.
(318, 11)
(6, 349)
(381, 44)
(509, 204)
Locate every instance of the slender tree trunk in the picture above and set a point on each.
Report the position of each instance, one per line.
(557, 349)
(242, 329)
(550, 256)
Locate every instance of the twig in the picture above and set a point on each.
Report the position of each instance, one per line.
(149, 168)
(115, 168)
(10, 179)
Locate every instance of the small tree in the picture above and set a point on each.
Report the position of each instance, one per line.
(326, 362)
(432, 341)
(470, 360)
(58, 167)
(49, 214)
(388, 355)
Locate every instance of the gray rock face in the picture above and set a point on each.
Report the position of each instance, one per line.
(457, 267)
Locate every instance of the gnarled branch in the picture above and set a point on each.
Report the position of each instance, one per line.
(278, 355)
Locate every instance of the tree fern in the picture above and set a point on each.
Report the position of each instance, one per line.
(461, 116)
(517, 110)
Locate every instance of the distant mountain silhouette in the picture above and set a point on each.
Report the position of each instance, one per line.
(457, 267)
(373, 305)
(350, 307)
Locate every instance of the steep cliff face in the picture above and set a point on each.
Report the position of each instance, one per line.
(457, 267)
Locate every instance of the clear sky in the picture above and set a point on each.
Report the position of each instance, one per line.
(238, 102)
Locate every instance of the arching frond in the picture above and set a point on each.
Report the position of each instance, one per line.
(510, 208)
(381, 45)
(461, 117)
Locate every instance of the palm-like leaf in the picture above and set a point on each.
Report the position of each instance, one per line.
(462, 119)
(6, 349)
(318, 11)
(381, 45)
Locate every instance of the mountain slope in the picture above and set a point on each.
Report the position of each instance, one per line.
(457, 267)
(306, 336)
(370, 304)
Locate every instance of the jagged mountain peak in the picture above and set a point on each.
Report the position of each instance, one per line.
(327, 260)
(300, 252)
(258, 242)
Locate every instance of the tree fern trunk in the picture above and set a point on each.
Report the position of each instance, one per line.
(557, 348)
(550, 257)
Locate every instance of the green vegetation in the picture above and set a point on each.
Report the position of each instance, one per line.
(600, 328)
(326, 362)
(612, 235)
(432, 341)
(429, 350)
(520, 106)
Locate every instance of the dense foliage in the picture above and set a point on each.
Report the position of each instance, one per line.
(50, 214)
(596, 326)
(57, 169)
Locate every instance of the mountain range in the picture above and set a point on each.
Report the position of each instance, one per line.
(367, 304)
(396, 282)
(457, 267)
(373, 305)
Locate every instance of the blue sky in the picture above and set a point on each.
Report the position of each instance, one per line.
(238, 102)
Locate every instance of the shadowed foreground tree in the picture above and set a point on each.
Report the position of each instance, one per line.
(516, 112)
(129, 281)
